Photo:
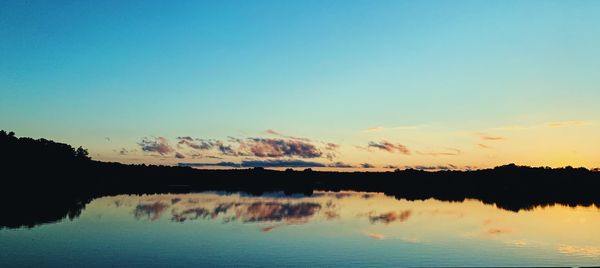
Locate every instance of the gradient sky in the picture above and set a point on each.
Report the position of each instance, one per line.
(391, 83)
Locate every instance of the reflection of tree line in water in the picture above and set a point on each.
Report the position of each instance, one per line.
(45, 181)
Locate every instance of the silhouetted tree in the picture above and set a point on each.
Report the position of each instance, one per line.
(82, 154)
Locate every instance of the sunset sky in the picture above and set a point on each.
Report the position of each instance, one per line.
(342, 85)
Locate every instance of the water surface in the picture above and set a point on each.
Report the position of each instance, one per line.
(325, 229)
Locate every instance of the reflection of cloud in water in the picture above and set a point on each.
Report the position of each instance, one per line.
(367, 195)
(253, 211)
(341, 195)
(192, 214)
(519, 243)
(274, 211)
(410, 239)
(579, 251)
(268, 228)
(391, 216)
(331, 215)
(445, 212)
(376, 236)
(498, 231)
(151, 211)
(222, 208)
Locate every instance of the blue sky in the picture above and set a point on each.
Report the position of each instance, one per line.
(428, 73)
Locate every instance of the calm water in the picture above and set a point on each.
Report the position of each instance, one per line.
(326, 229)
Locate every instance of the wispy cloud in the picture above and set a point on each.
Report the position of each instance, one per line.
(272, 132)
(488, 137)
(380, 128)
(373, 129)
(279, 134)
(553, 124)
(446, 152)
(389, 147)
(568, 124)
(366, 165)
(483, 146)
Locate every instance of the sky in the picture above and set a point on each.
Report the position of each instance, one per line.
(324, 84)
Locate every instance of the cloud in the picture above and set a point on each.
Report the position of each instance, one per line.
(226, 149)
(198, 144)
(390, 166)
(186, 138)
(331, 149)
(202, 144)
(391, 216)
(158, 145)
(389, 147)
(262, 147)
(447, 152)
(280, 163)
(259, 163)
(123, 151)
(487, 137)
(439, 167)
(331, 146)
(287, 146)
(340, 165)
(272, 132)
(366, 165)
(219, 164)
(481, 145)
(179, 155)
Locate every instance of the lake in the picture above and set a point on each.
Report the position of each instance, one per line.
(324, 229)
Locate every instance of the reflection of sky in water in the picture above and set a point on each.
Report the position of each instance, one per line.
(346, 228)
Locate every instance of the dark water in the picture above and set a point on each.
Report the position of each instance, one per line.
(326, 229)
